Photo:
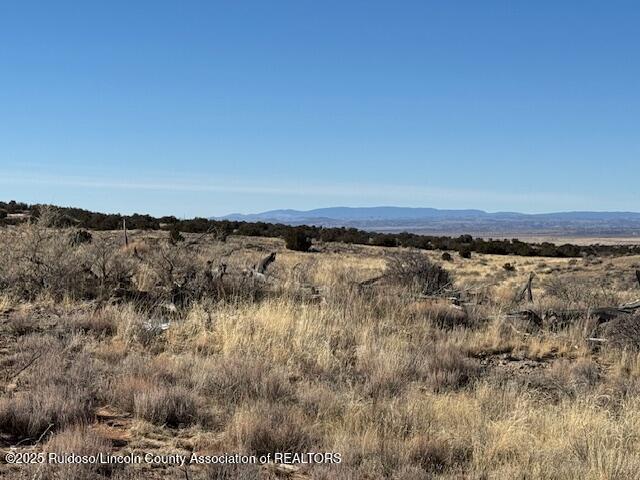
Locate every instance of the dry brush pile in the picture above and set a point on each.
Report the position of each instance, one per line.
(198, 345)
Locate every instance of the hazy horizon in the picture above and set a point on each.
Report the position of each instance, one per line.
(328, 207)
(212, 108)
(355, 207)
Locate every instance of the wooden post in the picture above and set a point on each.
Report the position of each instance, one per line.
(124, 229)
(638, 276)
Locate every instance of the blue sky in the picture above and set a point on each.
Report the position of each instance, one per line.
(206, 108)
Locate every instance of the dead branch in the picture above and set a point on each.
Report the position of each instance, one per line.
(631, 305)
(27, 365)
(371, 281)
(528, 315)
(600, 314)
(475, 288)
(526, 292)
(262, 265)
(218, 233)
(44, 433)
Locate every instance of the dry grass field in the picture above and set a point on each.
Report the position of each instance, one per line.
(160, 348)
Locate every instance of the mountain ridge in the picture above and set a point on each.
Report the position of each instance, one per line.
(393, 212)
(425, 219)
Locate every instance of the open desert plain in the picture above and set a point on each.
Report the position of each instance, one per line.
(388, 362)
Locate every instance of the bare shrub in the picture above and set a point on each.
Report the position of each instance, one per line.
(36, 258)
(585, 372)
(509, 267)
(318, 400)
(574, 376)
(270, 428)
(296, 239)
(174, 267)
(435, 455)
(28, 415)
(97, 323)
(577, 292)
(182, 276)
(564, 380)
(415, 270)
(623, 332)
(447, 368)
(387, 374)
(79, 441)
(122, 390)
(171, 406)
(60, 395)
(110, 268)
(437, 367)
(21, 324)
(80, 237)
(568, 291)
(238, 379)
(442, 315)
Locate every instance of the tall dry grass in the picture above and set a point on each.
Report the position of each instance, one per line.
(402, 386)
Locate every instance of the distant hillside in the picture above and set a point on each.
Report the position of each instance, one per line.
(432, 220)
(362, 213)
(14, 213)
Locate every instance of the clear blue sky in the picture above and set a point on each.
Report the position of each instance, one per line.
(205, 108)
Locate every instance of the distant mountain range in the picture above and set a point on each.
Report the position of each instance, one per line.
(479, 222)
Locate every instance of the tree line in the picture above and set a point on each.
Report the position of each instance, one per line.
(464, 244)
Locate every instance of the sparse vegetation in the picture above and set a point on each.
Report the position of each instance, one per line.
(80, 237)
(174, 347)
(174, 234)
(223, 228)
(296, 239)
(416, 271)
(509, 267)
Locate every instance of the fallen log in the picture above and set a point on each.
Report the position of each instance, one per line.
(562, 317)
